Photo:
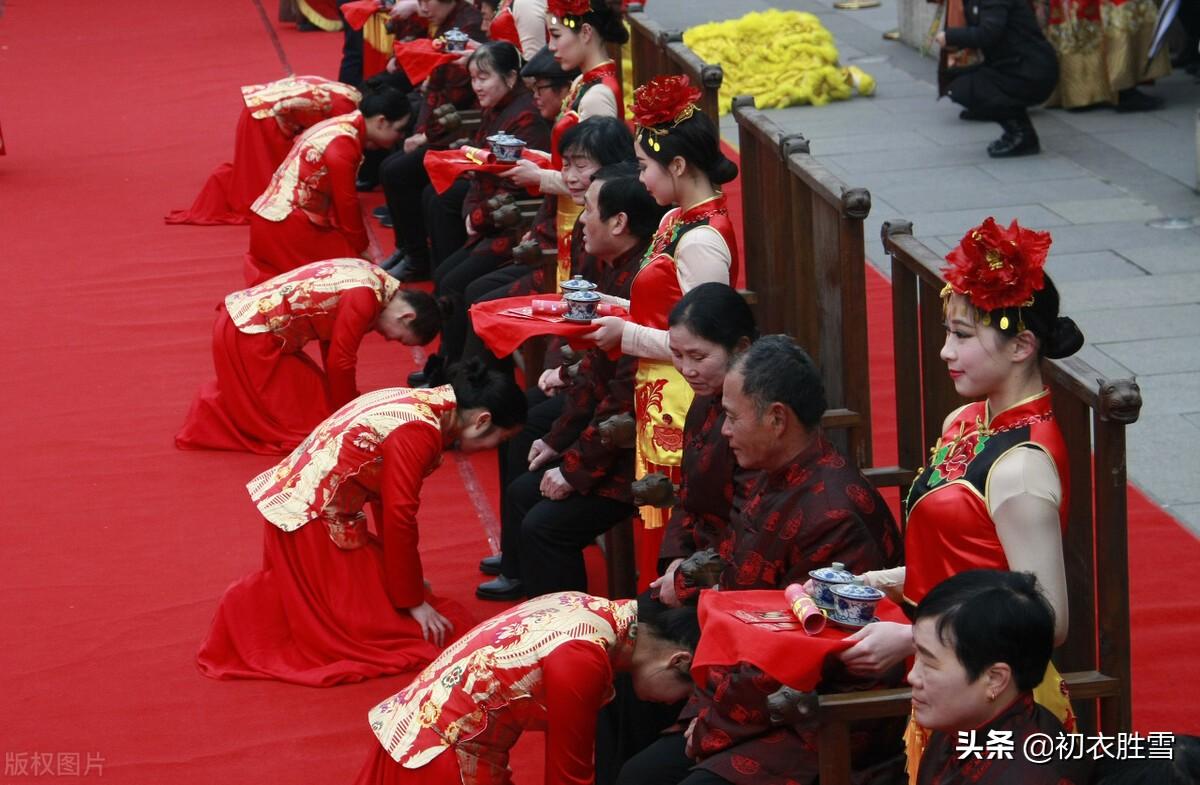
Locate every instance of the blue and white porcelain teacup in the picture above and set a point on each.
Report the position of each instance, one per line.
(823, 581)
(854, 604)
(581, 305)
(506, 147)
(456, 40)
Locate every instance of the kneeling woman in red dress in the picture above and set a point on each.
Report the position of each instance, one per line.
(333, 603)
(310, 210)
(547, 664)
(273, 115)
(269, 394)
(983, 639)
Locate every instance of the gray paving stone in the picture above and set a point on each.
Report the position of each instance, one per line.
(1102, 237)
(1103, 120)
(1162, 457)
(1159, 355)
(1164, 259)
(1037, 167)
(947, 222)
(1194, 419)
(1173, 393)
(1188, 515)
(858, 143)
(915, 160)
(1171, 150)
(1106, 367)
(1093, 211)
(1090, 266)
(1110, 325)
(1144, 292)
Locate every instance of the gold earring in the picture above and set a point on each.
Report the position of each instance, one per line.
(991, 696)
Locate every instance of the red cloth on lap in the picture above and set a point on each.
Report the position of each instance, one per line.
(791, 657)
(446, 166)
(503, 334)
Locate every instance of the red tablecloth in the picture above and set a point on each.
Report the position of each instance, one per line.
(418, 58)
(446, 166)
(503, 333)
(792, 657)
(359, 11)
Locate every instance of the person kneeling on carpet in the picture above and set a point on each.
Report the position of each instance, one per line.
(269, 394)
(310, 209)
(983, 639)
(333, 603)
(1019, 70)
(547, 664)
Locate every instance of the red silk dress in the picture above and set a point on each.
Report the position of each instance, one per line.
(545, 665)
(329, 605)
(269, 394)
(568, 212)
(310, 210)
(273, 115)
(949, 528)
(661, 396)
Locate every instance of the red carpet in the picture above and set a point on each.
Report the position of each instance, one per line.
(117, 545)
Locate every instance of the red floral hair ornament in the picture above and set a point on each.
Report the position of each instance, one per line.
(663, 101)
(998, 268)
(568, 13)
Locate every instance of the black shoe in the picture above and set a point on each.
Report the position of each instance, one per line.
(381, 211)
(967, 114)
(1134, 100)
(490, 565)
(386, 221)
(1019, 139)
(410, 270)
(392, 261)
(366, 185)
(500, 588)
(432, 375)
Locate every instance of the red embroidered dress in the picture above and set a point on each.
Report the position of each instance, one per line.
(661, 396)
(329, 605)
(949, 529)
(546, 665)
(269, 394)
(273, 115)
(568, 212)
(310, 209)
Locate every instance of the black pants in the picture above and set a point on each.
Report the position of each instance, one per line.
(451, 279)
(665, 763)
(404, 180)
(513, 456)
(444, 218)
(351, 69)
(999, 94)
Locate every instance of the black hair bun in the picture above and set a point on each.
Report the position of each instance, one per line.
(1064, 340)
(723, 171)
(607, 22)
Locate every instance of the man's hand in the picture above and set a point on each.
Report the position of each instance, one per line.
(434, 626)
(540, 454)
(554, 486)
(414, 141)
(551, 381)
(608, 332)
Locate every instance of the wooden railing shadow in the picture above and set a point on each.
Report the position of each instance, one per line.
(1092, 412)
(657, 51)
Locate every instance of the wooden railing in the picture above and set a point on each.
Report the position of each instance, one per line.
(657, 51)
(805, 263)
(1092, 412)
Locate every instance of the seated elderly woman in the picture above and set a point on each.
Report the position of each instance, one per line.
(983, 639)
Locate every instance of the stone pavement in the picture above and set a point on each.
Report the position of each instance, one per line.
(1102, 176)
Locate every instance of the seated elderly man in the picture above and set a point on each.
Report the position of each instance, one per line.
(805, 507)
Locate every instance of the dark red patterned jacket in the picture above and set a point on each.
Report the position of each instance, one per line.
(709, 474)
(516, 114)
(815, 510)
(450, 83)
(603, 387)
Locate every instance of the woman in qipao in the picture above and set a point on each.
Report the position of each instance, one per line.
(679, 154)
(994, 495)
(579, 34)
(333, 603)
(269, 394)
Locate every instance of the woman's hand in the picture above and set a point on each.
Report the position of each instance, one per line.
(414, 141)
(940, 38)
(554, 485)
(687, 737)
(666, 586)
(434, 626)
(540, 454)
(608, 332)
(403, 9)
(877, 648)
(392, 65)
(551, 381)
(526, 174)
